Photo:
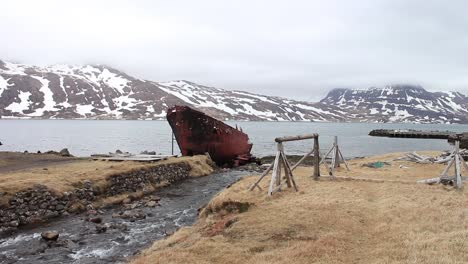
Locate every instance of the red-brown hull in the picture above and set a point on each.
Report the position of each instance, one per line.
(197, 133)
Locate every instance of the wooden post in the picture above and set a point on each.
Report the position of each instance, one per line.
(458, 179)
(281, 163)
(316, 159)
(336, 153)
(275, 173)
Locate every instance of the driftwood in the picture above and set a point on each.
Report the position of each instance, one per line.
(455, 160)
(444, 158)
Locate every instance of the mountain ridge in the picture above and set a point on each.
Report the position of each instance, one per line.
(102, 92)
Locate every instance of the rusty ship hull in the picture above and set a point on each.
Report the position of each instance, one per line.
(197, 133)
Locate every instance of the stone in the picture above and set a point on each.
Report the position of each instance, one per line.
(115, 215)
(118, 151)
(87, 184)
(96, 220)
(155, 198)
(101, 229)
(76, 208)
(50, 235)
(92, 212)
(65, 153)
(151, 203)
(133, 215)
(127, 201)
(14, 223)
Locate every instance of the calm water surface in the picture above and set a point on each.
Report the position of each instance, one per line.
(86, 137)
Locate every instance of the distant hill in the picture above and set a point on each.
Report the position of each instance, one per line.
(101, 92)
(400, 103)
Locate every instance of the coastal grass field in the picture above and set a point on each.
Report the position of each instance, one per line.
(20, 171)
(384, 217)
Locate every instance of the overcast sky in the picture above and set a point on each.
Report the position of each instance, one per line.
(297, 49)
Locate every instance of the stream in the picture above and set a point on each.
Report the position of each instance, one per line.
(79, 241)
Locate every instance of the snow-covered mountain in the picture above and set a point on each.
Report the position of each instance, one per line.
(101, 92)
(400, 103)
(64, 91)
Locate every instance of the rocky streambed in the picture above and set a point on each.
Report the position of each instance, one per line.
(112, 235)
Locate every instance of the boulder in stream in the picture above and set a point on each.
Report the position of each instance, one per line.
(50, 235)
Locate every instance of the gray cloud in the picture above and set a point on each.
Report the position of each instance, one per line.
(298, 49)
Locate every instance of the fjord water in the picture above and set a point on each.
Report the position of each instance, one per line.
(86, 137)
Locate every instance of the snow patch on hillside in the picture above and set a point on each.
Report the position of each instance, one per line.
(3, 84)
(22, 105)
(49, 103)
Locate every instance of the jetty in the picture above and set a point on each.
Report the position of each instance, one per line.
(410, 133)
(450, 136)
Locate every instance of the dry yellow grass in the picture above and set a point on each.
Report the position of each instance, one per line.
(330, 222)
(65, 177)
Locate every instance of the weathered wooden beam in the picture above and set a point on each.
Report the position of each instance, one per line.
(447, 168)
(278, 178)
(463, 162)
(343, 159)
(458, 179)
(326, 155)
(261, 177)
(301, 160)
(290, 175)
(336, 154)
(316, 158)
(430, 181)
(275, 173)
(294, 138)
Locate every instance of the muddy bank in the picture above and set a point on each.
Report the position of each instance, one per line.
(38, 203)
(122, 231)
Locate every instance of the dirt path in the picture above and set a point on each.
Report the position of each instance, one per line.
(14, 161)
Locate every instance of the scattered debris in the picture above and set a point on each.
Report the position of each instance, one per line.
(443, 158)
(146, 152)
(377, 164)
(456, 161)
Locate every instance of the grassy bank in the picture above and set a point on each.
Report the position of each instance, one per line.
(389, 219)
(61, 175)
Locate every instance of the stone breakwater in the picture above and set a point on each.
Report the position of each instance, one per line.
(39, 203)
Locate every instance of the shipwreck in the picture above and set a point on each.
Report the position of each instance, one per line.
(197, 133)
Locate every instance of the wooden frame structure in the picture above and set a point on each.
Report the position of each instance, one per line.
(456, 160)
(281, 162)
(337, 157)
